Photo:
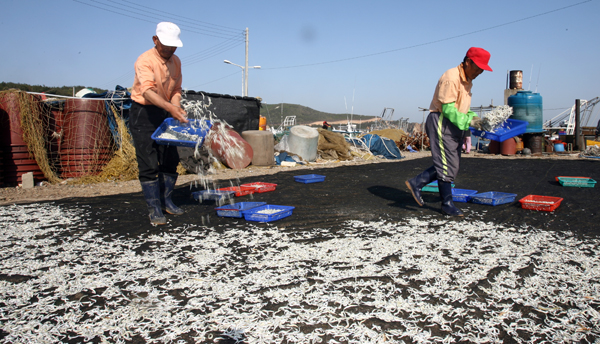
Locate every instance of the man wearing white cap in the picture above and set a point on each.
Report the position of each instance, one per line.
(447, 124)
(156, 95)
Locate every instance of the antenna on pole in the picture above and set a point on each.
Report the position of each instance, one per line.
(538, 78)
(529, 87)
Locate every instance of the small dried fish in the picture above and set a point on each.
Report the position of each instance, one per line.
(257, 283)
(493, 119)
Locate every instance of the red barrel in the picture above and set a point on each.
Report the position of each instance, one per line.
(17, 162)
(54, 133)
(508, 147)
(86, 145)
(10, 122)
(494, 147)
(15, 157)
(229, 147)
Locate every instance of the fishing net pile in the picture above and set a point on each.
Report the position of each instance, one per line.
(87, 140)
(76, 139)
(333, 146)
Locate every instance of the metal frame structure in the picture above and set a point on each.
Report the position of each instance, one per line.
(384, 120)
(289, 121)
(561, 122)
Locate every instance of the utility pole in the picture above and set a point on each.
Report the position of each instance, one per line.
(579, 138)
(423, 126)
(246, 67)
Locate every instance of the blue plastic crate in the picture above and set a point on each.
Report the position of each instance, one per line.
(493, 198)
(212, 195)
(197, 127)
(510, 128)
(432, 187)
(255, 215)
(235, 210)
(310, 178)
(462, 195)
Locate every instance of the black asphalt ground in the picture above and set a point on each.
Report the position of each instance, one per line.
(377, 191)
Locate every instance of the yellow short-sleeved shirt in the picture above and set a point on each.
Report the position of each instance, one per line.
(453, 87)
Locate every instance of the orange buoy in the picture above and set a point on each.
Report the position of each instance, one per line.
(262, 124)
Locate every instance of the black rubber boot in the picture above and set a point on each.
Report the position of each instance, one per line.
(167, 183)
(151, 192)
(417, 183)
(448, 207)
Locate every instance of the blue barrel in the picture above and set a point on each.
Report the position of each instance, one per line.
(527, 106)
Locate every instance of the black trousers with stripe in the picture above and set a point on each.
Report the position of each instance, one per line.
(152, 158)
(446, 142)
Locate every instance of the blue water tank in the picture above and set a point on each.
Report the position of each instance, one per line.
(527, 106)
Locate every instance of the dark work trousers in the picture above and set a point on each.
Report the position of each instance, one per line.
(152, 158)
(446, 142)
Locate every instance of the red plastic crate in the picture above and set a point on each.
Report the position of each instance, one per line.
(540, 203)
(240, 190)
(261, 187)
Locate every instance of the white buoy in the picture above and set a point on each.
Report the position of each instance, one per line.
(303, 141)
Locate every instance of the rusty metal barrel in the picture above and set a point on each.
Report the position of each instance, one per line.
(16, 160)
(516, 80)
(86, 145)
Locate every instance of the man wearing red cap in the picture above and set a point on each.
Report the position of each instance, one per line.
(447, 124)
(156, 95)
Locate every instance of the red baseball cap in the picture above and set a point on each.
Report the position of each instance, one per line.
(481, 57)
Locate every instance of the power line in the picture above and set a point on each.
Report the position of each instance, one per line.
(129, 75)
(234, 37)
(210, 82)
(433, 42)
(220, 46)
(180, 18)
(209, 54)
(125, 13)
(187, 61)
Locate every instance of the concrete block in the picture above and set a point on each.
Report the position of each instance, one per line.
(28, 181)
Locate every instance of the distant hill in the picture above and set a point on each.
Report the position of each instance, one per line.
(276, 113)
(59, 91)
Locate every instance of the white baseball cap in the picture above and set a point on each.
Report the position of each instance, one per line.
(168, 34)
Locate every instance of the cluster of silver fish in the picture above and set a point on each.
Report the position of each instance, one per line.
(492, 120)
(421, 280)
(171, 134)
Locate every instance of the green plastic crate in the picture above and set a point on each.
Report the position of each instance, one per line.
(432, 187)
(577, 182)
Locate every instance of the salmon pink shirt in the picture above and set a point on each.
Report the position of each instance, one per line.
(152, 72)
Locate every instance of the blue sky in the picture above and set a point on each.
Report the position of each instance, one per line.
(333, 56)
